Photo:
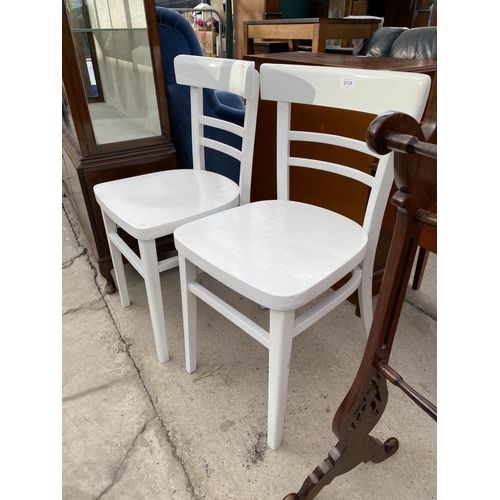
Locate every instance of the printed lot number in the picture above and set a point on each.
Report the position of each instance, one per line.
(347, 82)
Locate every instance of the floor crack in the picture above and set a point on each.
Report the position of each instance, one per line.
(86, 306)
(96, 389)
(69, 262)
(119, 468)
(421, 309)
(190, 486)
(93, 265)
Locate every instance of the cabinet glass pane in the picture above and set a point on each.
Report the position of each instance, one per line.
(111, 44)
(66, 115)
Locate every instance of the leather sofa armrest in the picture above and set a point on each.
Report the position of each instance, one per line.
(416, 43)
(380, 43)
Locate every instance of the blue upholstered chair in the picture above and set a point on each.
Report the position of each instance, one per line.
(177, 36)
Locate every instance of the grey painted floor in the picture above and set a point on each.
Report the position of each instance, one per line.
(136, 429)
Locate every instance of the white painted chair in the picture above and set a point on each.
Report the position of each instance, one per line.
(153, 205)
(283, 254)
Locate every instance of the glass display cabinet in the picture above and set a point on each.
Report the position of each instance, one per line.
(114, 107)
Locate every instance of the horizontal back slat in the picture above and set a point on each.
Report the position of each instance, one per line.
(222, 125)
(220, 146)
(332, 140)
(334, 168)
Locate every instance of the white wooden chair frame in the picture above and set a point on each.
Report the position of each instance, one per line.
(153, 205)
(357, 90)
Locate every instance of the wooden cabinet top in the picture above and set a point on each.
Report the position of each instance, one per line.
(347, 61)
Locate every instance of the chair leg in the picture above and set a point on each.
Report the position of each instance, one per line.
(280, 350)
(117, 260)
(149, 260)
(187, 271)
(365, 300)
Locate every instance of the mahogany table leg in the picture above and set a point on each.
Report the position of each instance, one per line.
(249, 42)
(105, 271)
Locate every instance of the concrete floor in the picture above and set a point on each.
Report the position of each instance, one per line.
(136, 429)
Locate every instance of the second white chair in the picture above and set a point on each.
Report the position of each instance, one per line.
(153, 205)
(283, 254)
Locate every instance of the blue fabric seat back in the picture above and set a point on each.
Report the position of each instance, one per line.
(177, 36)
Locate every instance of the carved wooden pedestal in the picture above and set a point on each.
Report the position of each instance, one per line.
(364, 405)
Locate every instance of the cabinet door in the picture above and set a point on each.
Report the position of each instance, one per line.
(108, 45)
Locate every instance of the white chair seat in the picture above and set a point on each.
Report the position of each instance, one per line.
(152, 205)
(259, 250)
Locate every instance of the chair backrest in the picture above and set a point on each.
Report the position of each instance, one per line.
(177, 36)
(367, 91)
(237, 77)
